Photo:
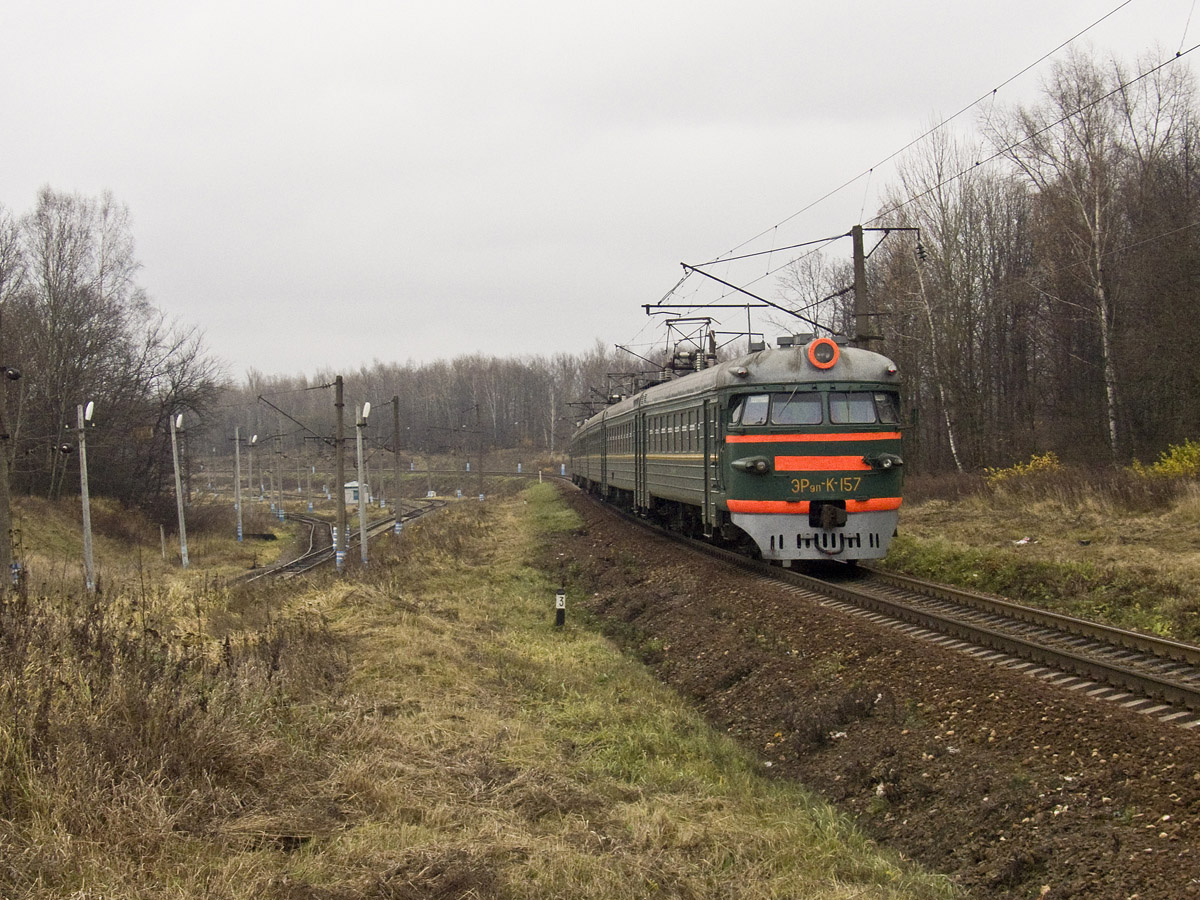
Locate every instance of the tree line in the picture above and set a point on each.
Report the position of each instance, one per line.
(1036, 283)
(452, 407)
(75, 326)
(1054, 300)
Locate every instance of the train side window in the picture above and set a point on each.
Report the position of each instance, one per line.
(851, 409)
(754, 410)
(735, 409)
(796, 409)
(888, 407)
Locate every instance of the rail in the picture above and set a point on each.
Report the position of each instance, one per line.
(1149, 667)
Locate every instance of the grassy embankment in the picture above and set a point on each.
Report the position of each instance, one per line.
(1113, 545)
(419, 730)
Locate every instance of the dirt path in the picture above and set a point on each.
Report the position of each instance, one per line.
(1013, 788)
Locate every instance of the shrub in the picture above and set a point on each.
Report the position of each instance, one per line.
(1177, 461)
(1037, 465)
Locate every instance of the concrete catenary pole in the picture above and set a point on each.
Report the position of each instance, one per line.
(340, 469)
(396, 451)
(279, 468)
(237, 478)
(865, 326)
(361, 426)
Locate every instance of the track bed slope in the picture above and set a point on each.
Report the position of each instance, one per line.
(1012, 786)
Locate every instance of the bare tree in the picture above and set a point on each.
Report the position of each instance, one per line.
(12, 279)
(819, 290)
(1070, 148)
(80, 328)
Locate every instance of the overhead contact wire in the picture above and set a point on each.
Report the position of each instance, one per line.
(932, 130)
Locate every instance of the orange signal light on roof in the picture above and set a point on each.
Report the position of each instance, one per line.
(823, 353)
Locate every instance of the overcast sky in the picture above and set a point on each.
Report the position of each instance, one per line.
(321, 185)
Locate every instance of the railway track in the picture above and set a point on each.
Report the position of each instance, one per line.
(1143, 673)
(320, 541)
(1150, 675)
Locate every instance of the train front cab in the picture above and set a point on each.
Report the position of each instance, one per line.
(814, 472)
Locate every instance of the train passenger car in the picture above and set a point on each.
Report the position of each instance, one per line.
(795, 449)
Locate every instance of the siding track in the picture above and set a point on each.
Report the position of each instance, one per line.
(320, 541)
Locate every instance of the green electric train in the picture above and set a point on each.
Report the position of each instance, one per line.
(794, 452)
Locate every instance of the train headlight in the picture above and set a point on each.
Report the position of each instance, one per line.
(823, 353)
(884, 461)
(752, 465)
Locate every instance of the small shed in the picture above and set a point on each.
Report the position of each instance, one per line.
(352, 492)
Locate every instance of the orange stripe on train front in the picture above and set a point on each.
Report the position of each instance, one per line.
(798, 507)
(804, 438)
(820, 464)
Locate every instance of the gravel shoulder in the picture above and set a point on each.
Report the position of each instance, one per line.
(1010, 786)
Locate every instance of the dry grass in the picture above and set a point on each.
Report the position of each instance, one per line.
(129, 550)
(1109, 545)
(416, 730)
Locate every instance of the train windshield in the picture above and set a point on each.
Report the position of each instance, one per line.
(845, 408)
(754, 409)
(796, 409)
(862, 408)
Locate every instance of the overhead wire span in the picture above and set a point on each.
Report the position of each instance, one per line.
(291, 418)
(1107, 254)
(824, 240)
(989, 95)
(862, 210)
(312, 387)
(930, 131)
(1002, 151)
(1186, 26)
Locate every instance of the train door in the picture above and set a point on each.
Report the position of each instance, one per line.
(603, 458)
(711, 464)
(641, 500)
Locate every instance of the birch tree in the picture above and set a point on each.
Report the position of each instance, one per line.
(1069, 147)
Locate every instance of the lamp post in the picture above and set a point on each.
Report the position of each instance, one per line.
(250, 461)
(83, 416)
(361, 424)
(6, 547)
(177, 423)
(237, 478)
